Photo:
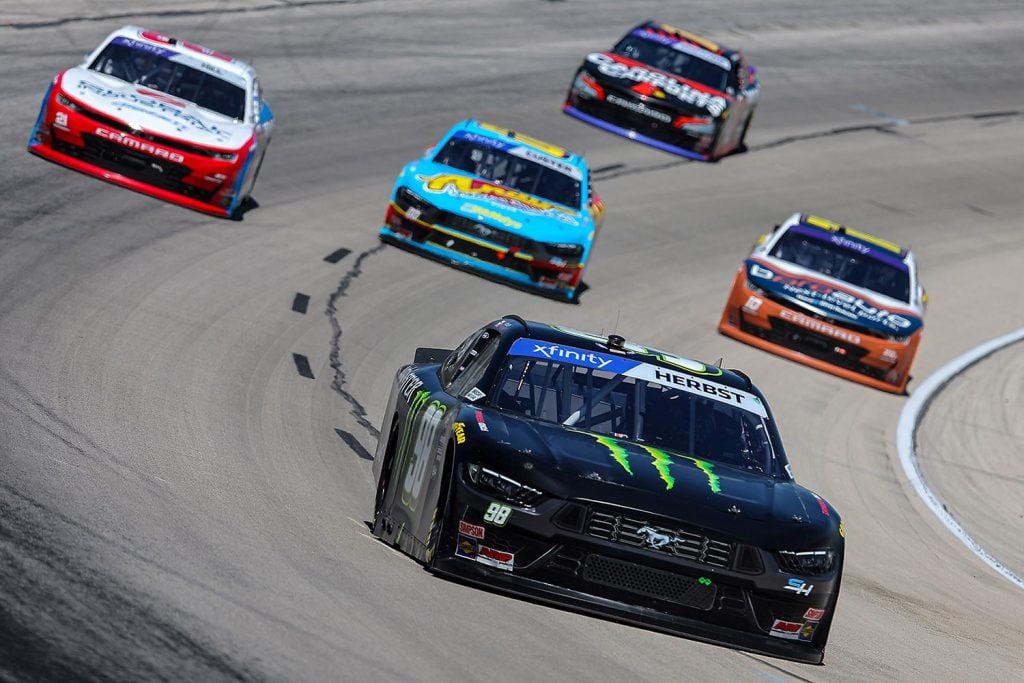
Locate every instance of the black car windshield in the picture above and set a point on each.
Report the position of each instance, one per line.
(685, 64)
(509, 170)
(857, 264)
(629, 408)
(157, 72)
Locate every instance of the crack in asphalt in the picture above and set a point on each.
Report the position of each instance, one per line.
(888, 127)
(338, 384)
(281, 4)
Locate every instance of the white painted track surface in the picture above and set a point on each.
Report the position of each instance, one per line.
(175, 500)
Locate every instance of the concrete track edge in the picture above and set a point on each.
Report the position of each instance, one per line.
(910, 418)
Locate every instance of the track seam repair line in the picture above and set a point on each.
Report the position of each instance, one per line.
(887, 127)
(906, 442)
(338, 384)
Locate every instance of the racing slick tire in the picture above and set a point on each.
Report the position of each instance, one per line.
(382, 486)
(741, 145)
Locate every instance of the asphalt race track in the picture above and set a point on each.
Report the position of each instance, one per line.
(178, 501)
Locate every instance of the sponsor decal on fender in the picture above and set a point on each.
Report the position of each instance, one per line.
(790, 630)
(495, 558)
(459, 428)
(466, 547)
(814, 614)
(139, 145)
(471, 530)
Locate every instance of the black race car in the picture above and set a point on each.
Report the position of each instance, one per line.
(669, 89)
(610, 478)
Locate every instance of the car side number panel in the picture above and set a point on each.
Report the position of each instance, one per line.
(427, 423)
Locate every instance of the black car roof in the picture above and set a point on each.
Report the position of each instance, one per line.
(513, 327)
(689, 37)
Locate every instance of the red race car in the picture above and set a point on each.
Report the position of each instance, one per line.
(831, 297)
(162, 116)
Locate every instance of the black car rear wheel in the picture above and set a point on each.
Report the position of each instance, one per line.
(385, 481)
(741, 145)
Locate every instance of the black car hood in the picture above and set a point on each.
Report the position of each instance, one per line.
(662, 88)
(578, 464)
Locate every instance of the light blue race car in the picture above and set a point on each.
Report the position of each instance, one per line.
(501, 204)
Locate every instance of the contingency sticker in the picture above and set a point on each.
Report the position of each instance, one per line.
(790, 630)
(471, 530)
(495, 558)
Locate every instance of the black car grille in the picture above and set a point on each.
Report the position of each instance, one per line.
(649, 582)
(133, 164)
(813, 344)
(688, 544)
(631, 120)
(484, 231)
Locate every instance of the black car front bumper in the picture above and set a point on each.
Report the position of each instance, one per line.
(709, 596)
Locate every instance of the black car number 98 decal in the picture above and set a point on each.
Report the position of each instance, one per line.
(419, 463)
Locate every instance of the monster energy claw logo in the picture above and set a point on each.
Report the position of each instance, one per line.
(661, 461)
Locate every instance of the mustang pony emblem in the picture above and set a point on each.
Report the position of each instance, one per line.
(655, 538)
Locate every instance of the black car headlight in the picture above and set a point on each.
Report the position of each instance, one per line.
(411, 203)
(810, 562)
(504, 487)
(565, 250)
(65, 102)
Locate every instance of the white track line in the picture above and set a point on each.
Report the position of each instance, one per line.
(911, 416)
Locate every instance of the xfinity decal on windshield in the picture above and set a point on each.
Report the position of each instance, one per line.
(534, 348)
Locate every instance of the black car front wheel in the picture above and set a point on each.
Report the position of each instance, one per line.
(438, 534)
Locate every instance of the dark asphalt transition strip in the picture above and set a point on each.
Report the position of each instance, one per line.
(337, 255)
(358, 412)
(888, 127)
(301, 303)
(40, 550)
(302, 365)
(353, 443)
(215, 11)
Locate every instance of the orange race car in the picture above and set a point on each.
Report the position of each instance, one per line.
(831, 297)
